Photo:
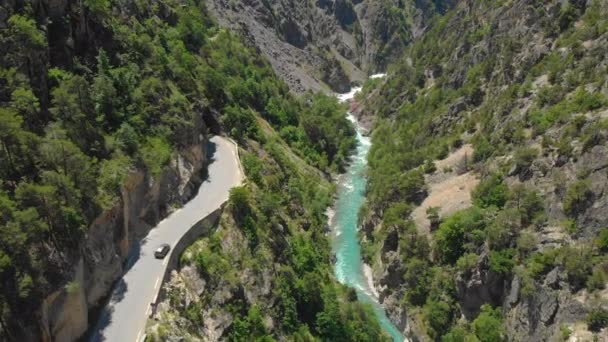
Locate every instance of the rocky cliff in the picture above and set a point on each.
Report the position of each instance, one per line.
(327, 45)
(110, 240)
(525, 83)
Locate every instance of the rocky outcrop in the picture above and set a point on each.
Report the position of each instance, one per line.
(479, 286)
(64, 312)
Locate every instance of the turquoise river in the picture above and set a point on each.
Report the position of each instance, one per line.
(349, 268)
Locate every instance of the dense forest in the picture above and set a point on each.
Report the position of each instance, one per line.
(531, 103)
(110, 87)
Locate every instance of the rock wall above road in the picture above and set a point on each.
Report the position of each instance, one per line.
(145, 202)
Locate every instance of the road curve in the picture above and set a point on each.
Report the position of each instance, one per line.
(124, 317)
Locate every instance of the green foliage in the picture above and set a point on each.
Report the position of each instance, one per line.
(250, 327)
(491, 191)
(241, 123)
(24, 30)
(438, 317)
(69, 139)
(155, 153)
(597, 320)
(524, 157)
(418, 277)
(502, 261)
(602, 240)
(577, 197)
(459, 334)
(540, 263)
(113, 173)
(578, 264)
(98, 7)
(488, 325)
(467, 262)
(455, 232)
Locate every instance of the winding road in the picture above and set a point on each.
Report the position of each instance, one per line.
(124, 317)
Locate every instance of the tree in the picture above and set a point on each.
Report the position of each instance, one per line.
(417, 279)
(438, 316)
(240, 199)
(452, 234)
(432, 214)
(241, 123)
(26, 104)
(523, 159)
(491, 191)
(488, 325)
(10, 135)
(24, 43)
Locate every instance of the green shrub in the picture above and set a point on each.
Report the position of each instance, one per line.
(491, 191)
(524, 157)
(483, 149)
(577, 197)
(454, 233)
(602, 240)
(578, 263)
(565, 332)
(438, 317)
(540, 263)
(467, 262)
(155, 153)
(429, 167)
(597, 320)
(488, 325)
(597, 279)
(502, 261)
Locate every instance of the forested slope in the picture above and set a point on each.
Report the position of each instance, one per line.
(105, 109)
(521, 85)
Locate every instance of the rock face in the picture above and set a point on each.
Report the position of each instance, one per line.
(479, 286)
(326, 45)
(145, 201)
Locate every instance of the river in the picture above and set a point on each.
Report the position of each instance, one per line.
(349, 267)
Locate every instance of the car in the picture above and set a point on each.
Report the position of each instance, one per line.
(162, 251)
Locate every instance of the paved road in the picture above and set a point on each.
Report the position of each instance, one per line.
(125, 316)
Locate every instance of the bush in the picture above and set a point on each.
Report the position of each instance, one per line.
(467, 262)
(577, 197)
(578, 262)
(453, 234)
(483, 149)
(155, 153)
(602, 240)
(597, 320)
(597, 279)
(429, 167)
(438, 317)
(502, 261)
(488, 325)
(524, 157)
(491, 191)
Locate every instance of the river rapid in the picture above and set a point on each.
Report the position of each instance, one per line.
(349, 268)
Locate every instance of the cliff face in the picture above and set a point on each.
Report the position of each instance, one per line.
(525, 83)
(316, 45)
(145, 202)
